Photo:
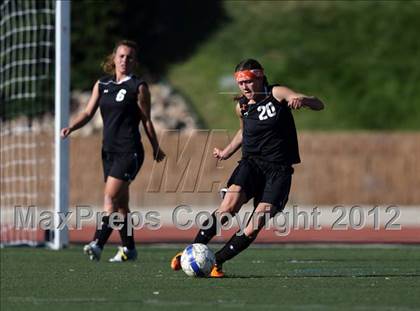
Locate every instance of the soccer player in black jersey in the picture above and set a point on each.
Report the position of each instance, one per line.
(124, 101)
(269, 143)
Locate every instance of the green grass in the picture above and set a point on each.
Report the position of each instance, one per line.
(262, 278)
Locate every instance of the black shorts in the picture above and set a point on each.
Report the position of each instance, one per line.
(122, 165)
(264, 181)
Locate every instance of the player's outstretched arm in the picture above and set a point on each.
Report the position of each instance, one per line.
(145, 107)
(234, 145)
(86, 115)
(296, 100)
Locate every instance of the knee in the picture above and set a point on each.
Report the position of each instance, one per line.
(229, 205)
(251, 233)
(264, 208)
(110, 199)
(258, 220)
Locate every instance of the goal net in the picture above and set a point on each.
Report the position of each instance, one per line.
(29, 120)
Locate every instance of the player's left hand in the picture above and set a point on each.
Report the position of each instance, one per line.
(65, 132)
(158, 154)
(295, 102)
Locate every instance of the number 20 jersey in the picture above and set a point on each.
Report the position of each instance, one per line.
(120, 113)
(269, 131)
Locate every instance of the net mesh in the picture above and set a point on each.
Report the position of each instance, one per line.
(27, 114)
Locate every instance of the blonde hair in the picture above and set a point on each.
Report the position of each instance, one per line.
(108, 65)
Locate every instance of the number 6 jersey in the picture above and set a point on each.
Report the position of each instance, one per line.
(269, 131)
(120, 113)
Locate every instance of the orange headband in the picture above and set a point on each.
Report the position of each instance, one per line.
(249, 74)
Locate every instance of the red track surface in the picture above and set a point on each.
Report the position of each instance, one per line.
(173, 235)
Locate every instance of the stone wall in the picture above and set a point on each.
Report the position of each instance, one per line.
(336, 168)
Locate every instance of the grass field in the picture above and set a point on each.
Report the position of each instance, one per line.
(317, 48)
(262, 278)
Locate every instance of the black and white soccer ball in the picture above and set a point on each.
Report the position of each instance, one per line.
(197, 260)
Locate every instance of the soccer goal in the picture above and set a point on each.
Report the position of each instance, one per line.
(34, 96)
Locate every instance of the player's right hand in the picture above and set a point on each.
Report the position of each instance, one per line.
(219, 154)
(65, 132)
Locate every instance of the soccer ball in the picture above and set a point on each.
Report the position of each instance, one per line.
(197, 260)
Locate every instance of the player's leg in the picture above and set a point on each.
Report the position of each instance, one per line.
(113, 187)
(92, 249)
(241, 240)
(240, 190)
(271, 201)
(231, 204)
(128, 250)
(127, 165)
(127, 238)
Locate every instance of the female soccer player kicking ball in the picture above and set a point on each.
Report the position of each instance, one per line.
(124, 101)
(269, 143)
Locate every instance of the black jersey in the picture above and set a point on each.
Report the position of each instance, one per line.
(269, 131)
(120, 113)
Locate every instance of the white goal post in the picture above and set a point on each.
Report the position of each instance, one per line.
(62, 100)
(34, 98)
